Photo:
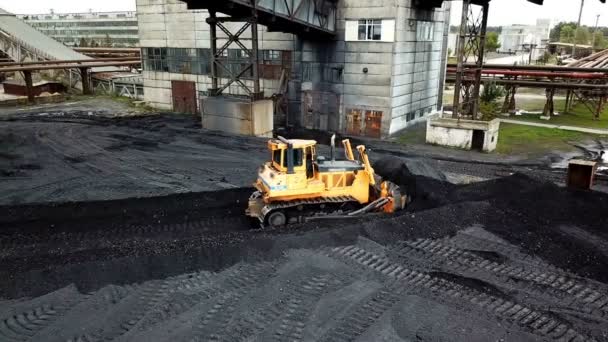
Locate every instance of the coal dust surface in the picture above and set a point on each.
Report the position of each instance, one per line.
(150, 248)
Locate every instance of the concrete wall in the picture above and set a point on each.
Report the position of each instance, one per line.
(417, 64)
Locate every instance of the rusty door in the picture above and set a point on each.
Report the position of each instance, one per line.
(184, 96)
(354, 118)
(373, 123)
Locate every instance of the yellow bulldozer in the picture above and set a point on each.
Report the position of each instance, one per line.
(297, 185)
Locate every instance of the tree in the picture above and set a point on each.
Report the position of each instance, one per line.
(599, 41)
(555, 35)
(492, 43)
(83, 42)
(582, 35)
(566, 34)
(107, 42)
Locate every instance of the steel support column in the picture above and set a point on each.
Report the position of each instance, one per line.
(471, 47)
(212, 21)
(29, 86)
(234, 69)
(86, 81)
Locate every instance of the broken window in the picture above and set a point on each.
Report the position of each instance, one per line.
(370, 29)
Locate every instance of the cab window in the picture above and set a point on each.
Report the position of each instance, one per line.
(276, 156)
(297, 157)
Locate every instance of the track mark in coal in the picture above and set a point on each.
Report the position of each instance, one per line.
(237, 285)
(568, 289)
(365, 314)
(23, 326)
(299, 306)
(436, 288)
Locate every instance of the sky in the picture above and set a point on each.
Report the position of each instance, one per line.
(508, 12)
(502, 12)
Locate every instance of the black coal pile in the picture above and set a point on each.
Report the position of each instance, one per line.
(568, 228)
(428, 187)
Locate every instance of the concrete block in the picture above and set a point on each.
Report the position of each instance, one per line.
(238, 116)
(465, 134)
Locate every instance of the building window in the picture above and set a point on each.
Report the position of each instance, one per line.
(306, 71)
(370, 29)
(426, 31)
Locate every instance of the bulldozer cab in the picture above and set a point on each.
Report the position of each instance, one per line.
(293, 156)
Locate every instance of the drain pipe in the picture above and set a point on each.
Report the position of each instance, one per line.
(333, 148)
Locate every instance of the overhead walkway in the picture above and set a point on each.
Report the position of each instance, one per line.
(302, 17)
(22, 42)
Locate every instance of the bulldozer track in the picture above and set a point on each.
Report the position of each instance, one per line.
(528, 318)
(305, 202)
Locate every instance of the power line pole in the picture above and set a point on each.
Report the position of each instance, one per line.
(580, 14)
(597, 20)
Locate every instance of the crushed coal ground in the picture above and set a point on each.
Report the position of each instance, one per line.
(515, 258)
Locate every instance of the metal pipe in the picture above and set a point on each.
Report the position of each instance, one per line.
(533, 67)
(540, 84)
(333, 147)
(89, 60)
(68, 66)
(289, 154)
(577, 75)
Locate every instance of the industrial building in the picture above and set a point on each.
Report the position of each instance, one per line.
(117, 28)
(526, 38)
(381, 70)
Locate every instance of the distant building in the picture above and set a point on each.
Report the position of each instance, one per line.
(120, 28)
(382, 72)
(516, 39)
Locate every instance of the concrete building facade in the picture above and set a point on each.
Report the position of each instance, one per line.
(120, 28)
(383, 71)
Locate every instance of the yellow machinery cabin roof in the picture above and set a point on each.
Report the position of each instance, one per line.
(297, 143)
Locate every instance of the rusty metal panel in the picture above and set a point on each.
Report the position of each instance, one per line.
(184, 96)
(581, 174)
(373, 123)
(354, 121)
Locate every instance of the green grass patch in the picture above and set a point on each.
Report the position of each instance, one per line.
(520, 139)
(579, 116)
(413, 135)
